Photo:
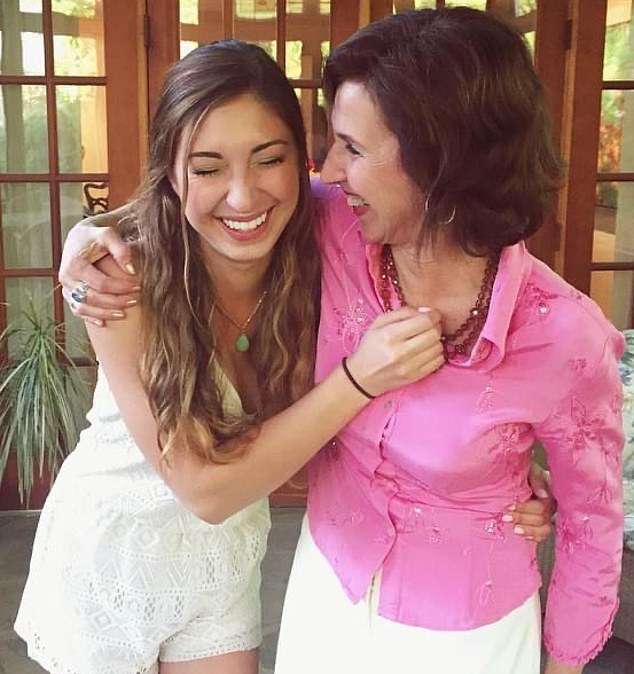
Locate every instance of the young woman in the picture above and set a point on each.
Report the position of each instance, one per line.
(148, 550)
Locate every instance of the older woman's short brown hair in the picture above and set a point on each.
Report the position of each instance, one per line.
(458, 89)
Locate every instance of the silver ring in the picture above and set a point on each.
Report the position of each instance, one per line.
(80, 292)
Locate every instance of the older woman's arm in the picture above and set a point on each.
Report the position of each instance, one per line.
(583, 438)
(88, 241)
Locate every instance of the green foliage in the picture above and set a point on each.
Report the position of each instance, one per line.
(79, 8)
(41, 398)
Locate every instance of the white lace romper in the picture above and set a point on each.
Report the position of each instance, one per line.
(122, 575)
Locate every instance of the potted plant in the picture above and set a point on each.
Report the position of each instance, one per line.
(42, 397)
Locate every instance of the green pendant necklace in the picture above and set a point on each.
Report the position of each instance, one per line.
(243, 343)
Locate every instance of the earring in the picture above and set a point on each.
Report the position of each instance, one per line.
(442, 222)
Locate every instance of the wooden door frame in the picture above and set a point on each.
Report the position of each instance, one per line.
(126, 96)
(580, 138)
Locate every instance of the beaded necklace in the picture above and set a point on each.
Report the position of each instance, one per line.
(461, 341)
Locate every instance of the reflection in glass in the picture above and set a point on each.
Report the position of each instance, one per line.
(26, 225)
(474, 4)
(79, 200)
(405, 5)
(613, 240)
(254, 21)
(23, 131)
(188, 11)
(316, 123)
(616, 132)
(307, 30)
(187, 46)
(614, 215)
(255, 10)
(612, 291)
(618, 54)
(78, 40)
(21, 38)
(201, 21)
(81, 128)
(20, 293)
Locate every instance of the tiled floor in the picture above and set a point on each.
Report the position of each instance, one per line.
(16, 536)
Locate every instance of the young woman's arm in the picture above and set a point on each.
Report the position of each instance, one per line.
(399, 348)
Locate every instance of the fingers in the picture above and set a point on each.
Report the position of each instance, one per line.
(122, 252)
(94, 314)
(424, 317)
(100, 282)
(530, 519)
(533, 533)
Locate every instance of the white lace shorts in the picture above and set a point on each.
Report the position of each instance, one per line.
(110, 593)
(324, 632)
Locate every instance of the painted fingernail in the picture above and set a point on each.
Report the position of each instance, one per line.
(507, 518)
(117, 314)
(130, 268)
(423, 310)
(519, 530)
(512, 507)
(97, 322)
(542, 493)
(136, 289)
(131, 303)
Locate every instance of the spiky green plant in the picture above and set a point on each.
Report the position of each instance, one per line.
(41, 395)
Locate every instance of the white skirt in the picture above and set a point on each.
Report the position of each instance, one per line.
(323, 631)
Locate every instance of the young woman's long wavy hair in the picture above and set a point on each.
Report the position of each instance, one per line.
(180, 364)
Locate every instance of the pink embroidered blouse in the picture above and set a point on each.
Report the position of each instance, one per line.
(417, 484)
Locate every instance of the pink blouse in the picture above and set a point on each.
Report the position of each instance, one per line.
(417, 483)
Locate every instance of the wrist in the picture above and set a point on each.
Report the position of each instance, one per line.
(355, 381)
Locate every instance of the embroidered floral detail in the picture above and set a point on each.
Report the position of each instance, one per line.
(413, 521)
(535, 298)
(602, 494)
(576, 295)
(352, 324)
(573, 534)
(435, 537)
(577, 365)
(583, 433)
(509, 449)
(485, 401)
(486, 592)
(336, 517)
(493, 527)
(617, 402)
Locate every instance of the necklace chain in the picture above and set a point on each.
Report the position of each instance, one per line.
(243, 343)
(461, 341)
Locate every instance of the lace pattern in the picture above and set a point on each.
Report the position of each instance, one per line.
(122, 575)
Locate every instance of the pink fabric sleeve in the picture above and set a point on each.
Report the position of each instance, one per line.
(583, 438)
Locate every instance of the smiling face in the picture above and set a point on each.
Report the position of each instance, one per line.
(365, 160)
(242, 182)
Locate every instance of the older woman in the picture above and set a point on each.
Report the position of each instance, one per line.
(443, 153)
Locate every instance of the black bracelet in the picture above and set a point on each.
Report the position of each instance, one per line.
(359, 388)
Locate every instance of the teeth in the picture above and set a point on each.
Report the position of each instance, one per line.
(356, 201)
(245, 226)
